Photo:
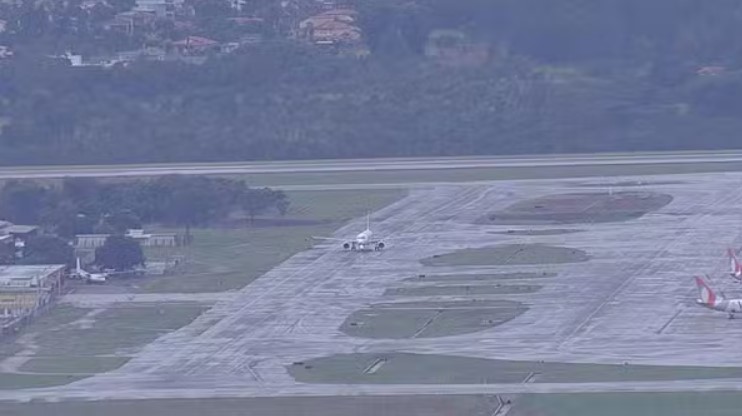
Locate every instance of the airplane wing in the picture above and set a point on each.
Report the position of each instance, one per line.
(382, 240)
(328, 238)
(114, 272)
(388, 238)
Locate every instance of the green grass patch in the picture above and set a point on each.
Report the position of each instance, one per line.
(511, 254)
(634, 404)
(536, 233)
(229, 258)
(417, 405)
(478, 278)
(464, 290)
(430, 319)
(482, 174)
(52, 319)
(404, 368)
(27, 381)
(580, 208)
(116, 330)
(57, 317)
(73, 365)
(62, 348)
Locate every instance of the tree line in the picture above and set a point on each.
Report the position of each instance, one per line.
(86, 206)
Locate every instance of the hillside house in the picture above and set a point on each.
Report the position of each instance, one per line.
(332, 27)
(196, 45)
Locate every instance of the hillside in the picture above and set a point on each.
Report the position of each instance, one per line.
(430, 77)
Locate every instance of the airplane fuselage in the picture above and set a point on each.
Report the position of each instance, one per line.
(364, 242)
(730, 306)
(364, 237)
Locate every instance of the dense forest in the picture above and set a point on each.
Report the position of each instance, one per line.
(443, 77)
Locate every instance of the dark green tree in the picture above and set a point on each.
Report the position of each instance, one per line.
(48, 249)
(260, 201)
(23, 202)
(62, 220)
(7, 253)
(120, 221)
(119, 253)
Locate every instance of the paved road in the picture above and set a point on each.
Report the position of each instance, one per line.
(347, 165)
(85, 300)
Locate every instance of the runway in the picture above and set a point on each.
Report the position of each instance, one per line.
(632, 302)
(371, 165)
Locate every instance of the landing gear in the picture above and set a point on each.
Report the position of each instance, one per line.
(731, 315)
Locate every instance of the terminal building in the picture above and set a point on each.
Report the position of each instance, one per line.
(26, 289)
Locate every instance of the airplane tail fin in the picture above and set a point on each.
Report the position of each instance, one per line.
(735, 267)
(368, 221)
(707, 296)
(78, 268)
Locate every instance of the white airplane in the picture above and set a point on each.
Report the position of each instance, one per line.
(736, 268)
(709, 299)
(364, 241)
(80, 273)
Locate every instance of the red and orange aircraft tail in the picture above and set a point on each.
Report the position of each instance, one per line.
(707, 296)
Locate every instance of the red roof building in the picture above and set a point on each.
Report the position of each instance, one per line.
(195, 45)
(332, 26)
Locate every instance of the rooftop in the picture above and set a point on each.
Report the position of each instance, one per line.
(20, 229)
(26, 275)
(196, 41)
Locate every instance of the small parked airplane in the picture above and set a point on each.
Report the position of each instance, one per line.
(80, 273)
(364, 241)
(709, 299)
(736, 268)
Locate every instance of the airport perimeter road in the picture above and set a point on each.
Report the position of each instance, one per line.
(327, 390)
(368, 165)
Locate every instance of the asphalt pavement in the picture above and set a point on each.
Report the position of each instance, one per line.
(366, 165)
